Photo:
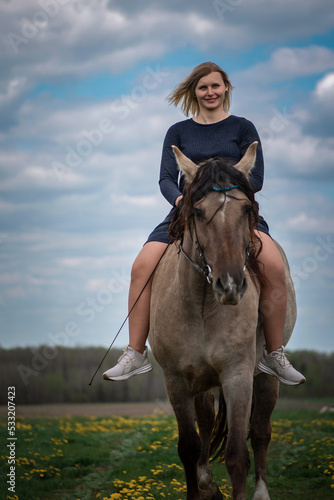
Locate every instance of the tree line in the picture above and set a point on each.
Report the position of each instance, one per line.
(44, 375)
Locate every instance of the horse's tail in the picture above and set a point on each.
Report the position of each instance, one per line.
(219, 432)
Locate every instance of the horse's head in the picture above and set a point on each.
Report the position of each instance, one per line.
(220, 212)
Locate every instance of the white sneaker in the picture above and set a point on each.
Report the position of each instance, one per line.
(130, 363)
(277, 364)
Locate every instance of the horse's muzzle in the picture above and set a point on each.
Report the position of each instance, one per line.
(228, 290)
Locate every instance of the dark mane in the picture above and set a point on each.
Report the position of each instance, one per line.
(216, 172)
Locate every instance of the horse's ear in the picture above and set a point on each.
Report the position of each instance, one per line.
(187, 167)
(247, 162)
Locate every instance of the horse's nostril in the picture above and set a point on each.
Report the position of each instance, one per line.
(225, 284)
(230, 290)
(219, 286)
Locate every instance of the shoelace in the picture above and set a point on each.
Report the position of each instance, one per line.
(281, 358)
(123, 357)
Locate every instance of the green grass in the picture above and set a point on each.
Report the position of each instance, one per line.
(125, 458)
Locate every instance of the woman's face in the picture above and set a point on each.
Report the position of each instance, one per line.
(210, 91)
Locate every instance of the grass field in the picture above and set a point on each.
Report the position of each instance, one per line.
(86, 458)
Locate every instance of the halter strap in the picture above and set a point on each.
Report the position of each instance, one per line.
(206, 272)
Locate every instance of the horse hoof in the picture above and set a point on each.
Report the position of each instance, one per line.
(212, 493)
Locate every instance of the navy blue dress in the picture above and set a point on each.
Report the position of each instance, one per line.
(228, 138)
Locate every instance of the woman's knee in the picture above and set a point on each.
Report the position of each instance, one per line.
(139, 269)
(272, 261)
(146, 261)
(274, 270)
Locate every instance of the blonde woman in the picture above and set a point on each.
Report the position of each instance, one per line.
(211, 131)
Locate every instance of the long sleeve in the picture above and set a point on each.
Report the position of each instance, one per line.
(229, 138)
(248, 136)
(169, 171)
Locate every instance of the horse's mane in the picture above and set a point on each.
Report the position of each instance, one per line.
(217, 172)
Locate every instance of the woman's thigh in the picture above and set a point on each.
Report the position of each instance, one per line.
(147, 259)
(270, 256)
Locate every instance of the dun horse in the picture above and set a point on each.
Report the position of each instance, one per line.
(205, 328)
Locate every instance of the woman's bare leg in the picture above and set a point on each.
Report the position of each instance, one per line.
(139, 319)
(134, 360)
(273, 300)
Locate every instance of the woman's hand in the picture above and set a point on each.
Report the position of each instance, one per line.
(178, 199)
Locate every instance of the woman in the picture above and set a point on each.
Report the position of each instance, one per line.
(206, 95)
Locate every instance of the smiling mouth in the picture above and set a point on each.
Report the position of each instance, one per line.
(211, 100)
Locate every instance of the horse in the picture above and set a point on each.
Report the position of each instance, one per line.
(206, 330)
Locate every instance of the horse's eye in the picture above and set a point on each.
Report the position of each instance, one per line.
(198, 214)
(247, 209)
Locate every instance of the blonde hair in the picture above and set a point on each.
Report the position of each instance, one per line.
(184, 93)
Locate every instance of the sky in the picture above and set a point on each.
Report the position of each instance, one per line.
(83, 115)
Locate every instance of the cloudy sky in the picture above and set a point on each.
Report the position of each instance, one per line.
(82, 119)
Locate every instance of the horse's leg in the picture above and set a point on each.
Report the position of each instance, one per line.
(189, 445)
(205, 415)
(265, 396)
(238, 397)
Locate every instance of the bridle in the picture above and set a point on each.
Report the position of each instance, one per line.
(206, 270)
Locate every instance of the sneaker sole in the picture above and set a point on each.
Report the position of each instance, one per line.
(269, 371)
(139, 371)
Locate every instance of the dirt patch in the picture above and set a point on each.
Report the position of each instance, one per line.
(132, 410)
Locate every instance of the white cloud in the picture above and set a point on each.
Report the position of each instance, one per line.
(304, 223)
(125, 202)
(65, 237)
(95, 285)
(294, 62)
(287, 63)
(324, 90)
(300, 156)
(316, 111)
(16, 293)
(90, 37)
(14, 88)
(9, 278)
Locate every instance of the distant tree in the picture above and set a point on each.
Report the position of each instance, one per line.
(65, 378)
(61, 375)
